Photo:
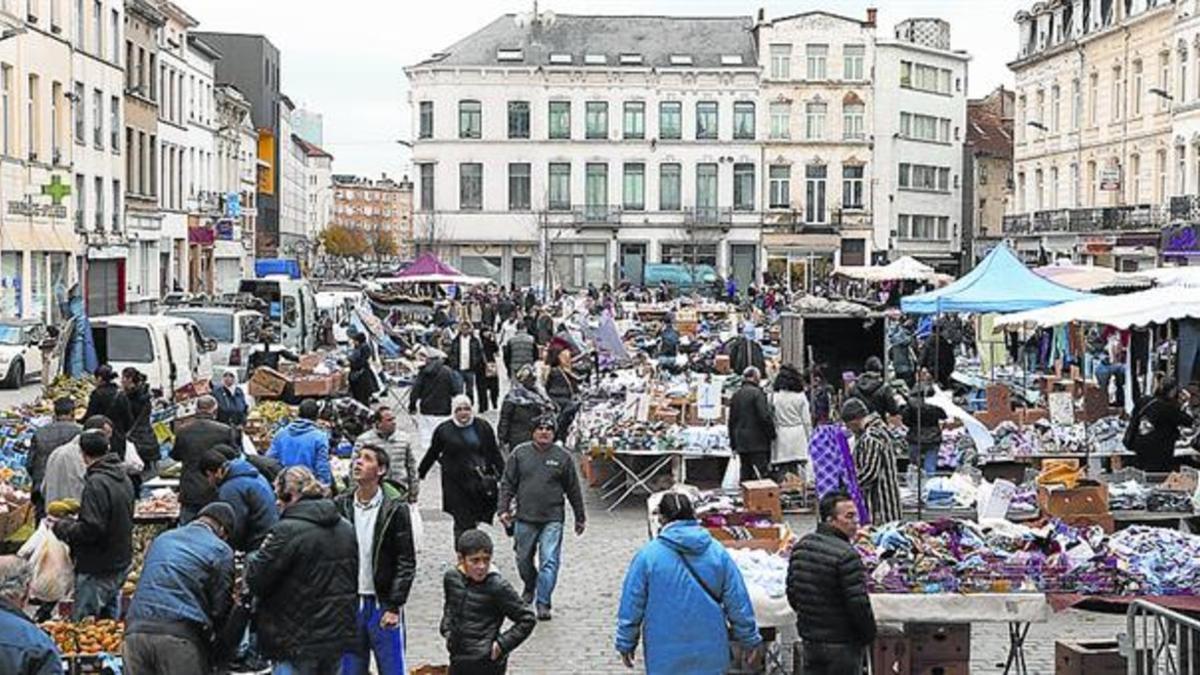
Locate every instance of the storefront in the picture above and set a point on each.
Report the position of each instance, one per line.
(801, 262)
(503, 264)
(1133, 252)
(105, 283)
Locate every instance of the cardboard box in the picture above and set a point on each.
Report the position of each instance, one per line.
(943, 668)
(596, 470)
(999, 398)
(1085, 499)
(1183, 480)
(722, 365)
(934, 643)
(762, 538)
(308, 362)
(891, 654)
(307, 386)
(762, 496)
(668, 415)
(1088, 658)
(268, 381)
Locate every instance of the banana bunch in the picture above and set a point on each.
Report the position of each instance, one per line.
(61, 508)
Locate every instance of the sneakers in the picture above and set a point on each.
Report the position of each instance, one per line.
(543, 613)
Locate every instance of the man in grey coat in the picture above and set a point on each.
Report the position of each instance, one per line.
(751, 426)
(45, 441)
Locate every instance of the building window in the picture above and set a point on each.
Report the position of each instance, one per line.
(99, 190)
(743, 120)
(743, 187)
(816, 58)
(670, 120)
(635, 119)
(1093, 99)
(1180, 170)
(1160, 191)
(560, 119)
(1053, 187)
(1115, 96)
(1055, 107)
(1039, 190)
(559, 189)
(98, 118)
(781, 115)
(925, 228)
(1137, 88)
(1076, 104)
(116, 205)
(80, 25)
(518, 119)
(669, 193)
(114, 35)
(924, 177)
(97, 30)
(925, 128)
(596, 120)
(114, 123)
(595, 190)
(814, 121)
(470, 119)
(706, 120)
(853, 115)
(6, 72)
(1135, 174)
(426, 120)
(634, 191)
(1164, 78)
(924, 78)
(518, 187)
(814, 193)
(32, 116)
(781, 62)
(470, 186)
(780, 180)
(79, 198)
(852, 187)
(706, 190)
(1183, 76)
(80, 108)
(1074, 187)
(853, 57)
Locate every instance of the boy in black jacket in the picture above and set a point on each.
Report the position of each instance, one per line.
(477, 601)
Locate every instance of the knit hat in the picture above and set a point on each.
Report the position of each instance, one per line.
(548, 421)
(222, 513)
(854, 409)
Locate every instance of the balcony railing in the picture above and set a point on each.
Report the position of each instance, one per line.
(793, 221)
(596, 215)
(1185, 208)
(708, 216)
(1134, 217)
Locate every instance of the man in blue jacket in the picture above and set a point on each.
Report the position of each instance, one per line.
(183, 597)
(303, 442)
(681, 591)
(24, 648)
(250, 496)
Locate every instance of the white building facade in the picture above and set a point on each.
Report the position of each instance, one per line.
(293, 203)
(638, 144)
(920, 118)
(236, 183)
(204, 200)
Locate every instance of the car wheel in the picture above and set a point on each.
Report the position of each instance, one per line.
(16, 375)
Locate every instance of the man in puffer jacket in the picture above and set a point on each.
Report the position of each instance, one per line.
(681, 591)
(250, 496)
(305, 577)
(304, 443)
(826, 588)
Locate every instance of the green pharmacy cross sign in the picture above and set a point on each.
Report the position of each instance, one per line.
(56, 190)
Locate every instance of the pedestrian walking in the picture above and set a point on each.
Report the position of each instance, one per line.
(465, 447)
(793, 423)
(540, 475)
(523, 405)
(433, 389)
(303, 442)
(136, 391)
(107, 399)
(562, 386)
(387, 563)
(489, 383)
(826, 587)
(875, 453)
(477, 601)
(684, 572)
(362, 379)
(24, 648)
(465, 356)
(520, 350)
(924, 422)
(751, 426)
(402, 471)
(196, 435)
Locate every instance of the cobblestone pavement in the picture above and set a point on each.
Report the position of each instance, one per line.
(580, 637)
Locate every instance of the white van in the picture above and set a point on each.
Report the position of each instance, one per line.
(170, 350)
(291, 308)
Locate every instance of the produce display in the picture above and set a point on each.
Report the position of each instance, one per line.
(60, 508)
(143, 534)
(87, 636)
(162, 503)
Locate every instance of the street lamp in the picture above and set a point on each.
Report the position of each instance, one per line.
(13, 32)
(1161, 93)
(407, 144)
(1037, 125)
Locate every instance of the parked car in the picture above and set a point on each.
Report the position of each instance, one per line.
(20, 350)
(235, 331)
(169, 349)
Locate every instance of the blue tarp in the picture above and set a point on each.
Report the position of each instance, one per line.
(276, 266)
(1000, 283)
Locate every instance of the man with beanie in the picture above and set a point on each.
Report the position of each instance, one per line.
(183, 597)
(751, 426)
(539, 475)
(243, 488)
(875, 453)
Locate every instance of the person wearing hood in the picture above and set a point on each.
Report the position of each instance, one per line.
(433, 389)
(387, 563)
(244, 489)
(108, 400)
(202, 432)
(303, 442)
(231, 401)
(875, 453)
(686, 596)
(465, 447)
(901, 355)
(924, 422)
(746, 351)
(522, 406)
(101, 536)
(305, 579)
(873, 391)
(136, 391)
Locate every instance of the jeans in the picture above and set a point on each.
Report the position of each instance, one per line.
(386, 643)
(545, 539)
(97, 595)
(828, 658)
(1105, 372)
(325, 666)
(926, 454)
(149, 654)
(468, 378)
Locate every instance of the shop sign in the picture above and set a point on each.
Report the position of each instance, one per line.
(1110, 179)
(233, 205)
(225, 229)
(203, 235)
(28, 208)
(1183, 240)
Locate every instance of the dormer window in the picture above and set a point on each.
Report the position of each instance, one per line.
(510, 55)
(681, 60)
(560, 59)
(631, 59)
(595, 59)
(731, 59)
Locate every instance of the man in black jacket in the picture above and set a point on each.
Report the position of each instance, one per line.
(751, 426)
(387, 562)
(872, 389)
(826, 588)
(201, 433)
(433, 387)
(305, 577)
(465, 355)
(101, 537)
(59, 432)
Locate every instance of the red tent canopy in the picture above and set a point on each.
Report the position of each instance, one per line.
(426, 264)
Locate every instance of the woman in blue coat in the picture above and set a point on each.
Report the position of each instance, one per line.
(681, 591)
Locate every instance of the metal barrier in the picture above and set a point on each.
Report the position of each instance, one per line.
(1160, 641)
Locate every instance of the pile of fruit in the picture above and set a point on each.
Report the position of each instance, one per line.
(143, 534)
(87, 637)
(77, 388)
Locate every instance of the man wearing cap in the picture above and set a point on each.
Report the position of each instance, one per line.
(751, 426)
(183, 597)
(540, 474)
(875, 453)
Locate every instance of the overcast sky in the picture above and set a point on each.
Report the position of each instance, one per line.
(344, 58)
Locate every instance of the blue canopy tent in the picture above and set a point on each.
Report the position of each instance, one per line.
(1000, 283)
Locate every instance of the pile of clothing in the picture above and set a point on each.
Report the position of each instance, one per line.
(1130, 495)
(1014, 441)
(763, 570)
(957, 449)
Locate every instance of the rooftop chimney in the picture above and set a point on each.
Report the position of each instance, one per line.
(871, 12)
(761, 15)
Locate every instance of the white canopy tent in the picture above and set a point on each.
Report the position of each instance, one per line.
(1154, 306)
(907, 268)
(1187, 277)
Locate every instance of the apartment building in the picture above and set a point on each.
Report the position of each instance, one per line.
(143, 274)
(376, 206)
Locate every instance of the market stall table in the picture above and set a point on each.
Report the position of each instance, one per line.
(629, 479)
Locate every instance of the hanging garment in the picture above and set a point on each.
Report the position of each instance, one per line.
(1187, 348)
(833, 466)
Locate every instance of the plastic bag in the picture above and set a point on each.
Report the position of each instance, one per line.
(418, 527)
(733, 474)
(53, 573)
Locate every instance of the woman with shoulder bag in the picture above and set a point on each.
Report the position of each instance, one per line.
(465, 447)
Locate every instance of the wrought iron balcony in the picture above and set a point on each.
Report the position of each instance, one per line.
(596, 215)
(1104, 218)
(708, 216)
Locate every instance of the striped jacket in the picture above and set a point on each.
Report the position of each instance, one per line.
(875, 456)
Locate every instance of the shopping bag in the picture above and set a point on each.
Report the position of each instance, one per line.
(418, 526)
(733, 474)
(53, 572)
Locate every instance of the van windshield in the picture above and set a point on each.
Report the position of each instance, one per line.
(127, 344)
(212, 325)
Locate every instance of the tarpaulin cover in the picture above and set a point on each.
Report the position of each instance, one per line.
(1000, 283)
(1153, 306)
(264, 267)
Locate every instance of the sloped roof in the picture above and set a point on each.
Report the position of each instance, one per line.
(655, 38)
(310, 149)
(988, 133)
